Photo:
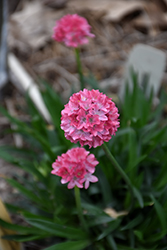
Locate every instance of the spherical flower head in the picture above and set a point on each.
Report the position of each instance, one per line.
(90, 117)
(73, 30)
(76, 167)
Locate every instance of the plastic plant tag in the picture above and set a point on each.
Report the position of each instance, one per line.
(145, 61)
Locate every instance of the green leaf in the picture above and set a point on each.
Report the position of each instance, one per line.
(34, 112)
(70, 245)
(139, 197)
(25, 191)
(124, 131)
(57, 229)
(126, 248)
(13, 208)
(137, 161)
(110, 228)
(104, 185)
(133, 223)
(25, 213)
(24, 238)
(148, 129)
(91, 80)
(98, 216)
(111, 242)
(25, 129)
(12, 119)
(132, 142)
(121, 247)
(160, 212)
(45, 145)
(139, 234)
(23, 153)
(93, 210)
(54, 106)
(156, 237)
(20, 229)
(154, 138)
(161, 179)
(21, 163)
(100, 220)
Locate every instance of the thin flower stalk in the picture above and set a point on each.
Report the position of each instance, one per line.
(121, 172)
(79, 208)
(79, 66)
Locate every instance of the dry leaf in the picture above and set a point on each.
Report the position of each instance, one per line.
(120, 9)
(34, 24)
(113, 11)
(165, 2)
(114, 214)
(55, 4)
(151, 26)
(5, 244)
(98, 8)
(144, 23)
(91, 5)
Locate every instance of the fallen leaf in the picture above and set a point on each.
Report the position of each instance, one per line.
(34, 24)
(55, 4)
(97, 8)
(113, 11)
(5, 244)
(114, 214)
(120, 9)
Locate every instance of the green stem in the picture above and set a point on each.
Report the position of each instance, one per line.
(79, 66)
(120, 171)
(79, 208)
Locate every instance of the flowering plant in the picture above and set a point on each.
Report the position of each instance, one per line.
(49, 207)
(90, 117)
(76, 167)
(73, 30)
(125, 207)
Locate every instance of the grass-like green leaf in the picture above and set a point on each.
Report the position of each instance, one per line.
(111, 242)
(20, 229)
(58, 230)
(160, 212)
(24, 238)
(139, 197)
(133, 223)
(110, 228)
(70, 245)
(25, 191)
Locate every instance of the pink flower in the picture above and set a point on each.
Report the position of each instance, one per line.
(76, 167)
(73, 30)
(90, 117)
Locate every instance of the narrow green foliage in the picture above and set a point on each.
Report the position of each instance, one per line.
(58, 230)
(48, 207)
(70, 245)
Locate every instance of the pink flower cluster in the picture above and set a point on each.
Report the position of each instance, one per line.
(76, 167)
(90, 117)
(73, 30)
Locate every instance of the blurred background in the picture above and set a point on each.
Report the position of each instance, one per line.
(117, 24)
